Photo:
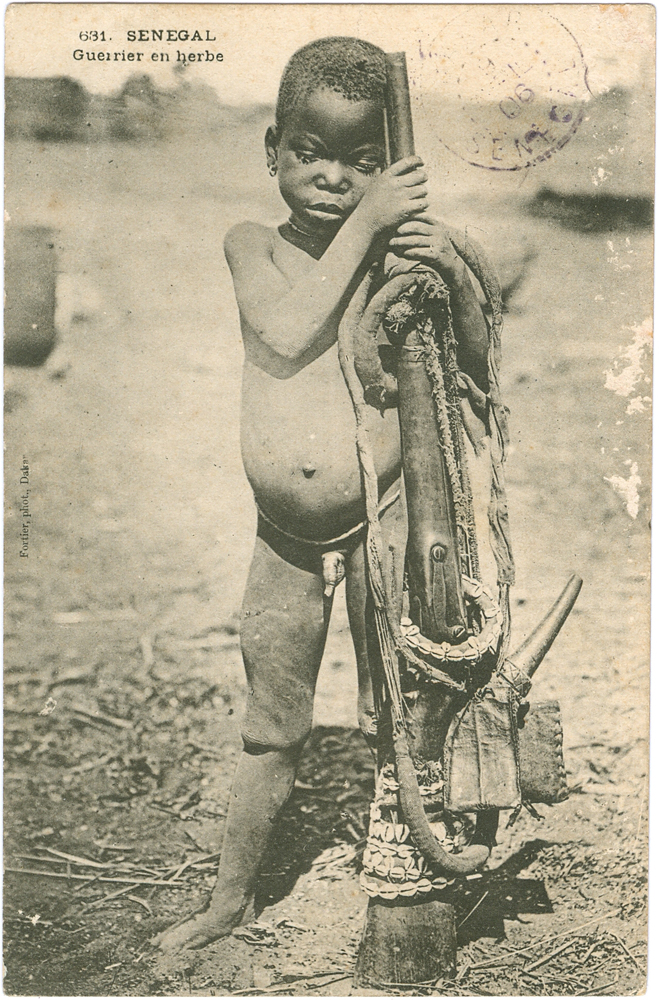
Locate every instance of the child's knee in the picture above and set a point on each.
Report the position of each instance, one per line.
(281, 679)
(264, 742)
(268, 727)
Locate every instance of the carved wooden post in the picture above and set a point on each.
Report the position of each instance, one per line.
(420, 835)
(412, 940)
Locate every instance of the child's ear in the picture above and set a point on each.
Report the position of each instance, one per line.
(271, 144)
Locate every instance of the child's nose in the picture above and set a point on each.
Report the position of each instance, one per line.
(333, 176)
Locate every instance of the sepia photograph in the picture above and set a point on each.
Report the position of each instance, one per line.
(327, 425)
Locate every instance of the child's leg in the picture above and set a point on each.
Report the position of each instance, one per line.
(282, 637)
(360, 608)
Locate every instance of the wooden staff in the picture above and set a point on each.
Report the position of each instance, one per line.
(412, 939)
(409, 941)
(399, 126)
(433, 553)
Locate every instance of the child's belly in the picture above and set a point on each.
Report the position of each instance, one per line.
(299, 448)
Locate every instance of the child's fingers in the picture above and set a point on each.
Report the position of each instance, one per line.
(420, 226)
(427, 253)
(413, 178)
(405, 165)
(415, 240)
(416, 253)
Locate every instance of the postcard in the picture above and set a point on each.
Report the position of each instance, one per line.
(327, 488)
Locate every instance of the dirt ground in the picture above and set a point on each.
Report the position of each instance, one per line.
(122, 667)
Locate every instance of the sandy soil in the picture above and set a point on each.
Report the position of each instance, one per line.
(123, 673)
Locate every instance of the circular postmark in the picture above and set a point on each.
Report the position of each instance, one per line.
(512, 84)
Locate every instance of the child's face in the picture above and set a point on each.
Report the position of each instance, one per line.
(328, 153)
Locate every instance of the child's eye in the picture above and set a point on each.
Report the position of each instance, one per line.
(305, 156)
(366, 165)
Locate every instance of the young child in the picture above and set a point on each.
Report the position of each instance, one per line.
(293, 285)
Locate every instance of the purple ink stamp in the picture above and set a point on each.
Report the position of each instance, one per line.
(512, 84)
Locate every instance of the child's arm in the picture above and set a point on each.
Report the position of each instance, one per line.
(425, 239)
(289, 319)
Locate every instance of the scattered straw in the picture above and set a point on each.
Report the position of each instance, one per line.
(548, 957)
(98, 878)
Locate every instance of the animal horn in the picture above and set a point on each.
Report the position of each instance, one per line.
(532, 652)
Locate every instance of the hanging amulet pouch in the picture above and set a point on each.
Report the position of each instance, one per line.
(481, 753)
(500, 753)
(541, 765)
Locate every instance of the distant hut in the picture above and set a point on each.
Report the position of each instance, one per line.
(48, 109)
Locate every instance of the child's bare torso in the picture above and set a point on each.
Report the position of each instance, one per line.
(298, 428)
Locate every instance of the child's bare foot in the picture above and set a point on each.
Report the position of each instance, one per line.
(194, 933)
(203, 928)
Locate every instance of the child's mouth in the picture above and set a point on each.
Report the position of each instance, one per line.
(324, 211)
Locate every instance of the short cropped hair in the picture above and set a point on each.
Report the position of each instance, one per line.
(349, 66)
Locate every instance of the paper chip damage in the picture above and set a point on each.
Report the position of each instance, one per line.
(623, 380)
(628, 489)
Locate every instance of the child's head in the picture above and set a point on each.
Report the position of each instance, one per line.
(328, 140)
(349, 66)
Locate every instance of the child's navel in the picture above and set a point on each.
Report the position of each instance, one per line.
(308, 470)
